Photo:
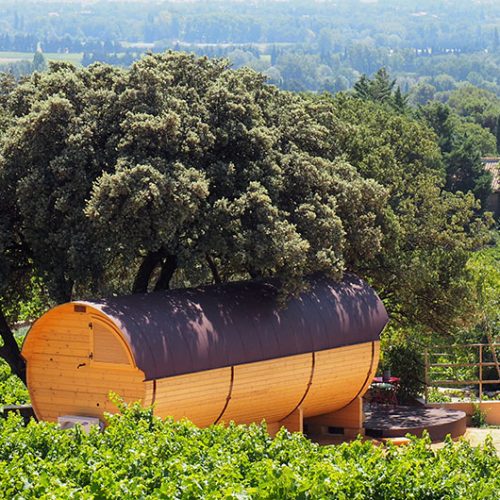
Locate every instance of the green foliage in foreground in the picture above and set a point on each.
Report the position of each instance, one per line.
(141, 456)
(12, 390)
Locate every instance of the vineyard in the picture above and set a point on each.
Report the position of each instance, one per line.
(141, 456)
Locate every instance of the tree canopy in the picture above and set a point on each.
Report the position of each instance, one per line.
(181, 171)
(462, 144)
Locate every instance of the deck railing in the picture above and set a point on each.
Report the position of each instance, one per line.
(476, 351)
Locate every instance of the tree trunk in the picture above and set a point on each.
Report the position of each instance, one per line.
(146, 268)
(10, 350)
(167, 271)
(254, 274)
(213, 269)
(62, 290)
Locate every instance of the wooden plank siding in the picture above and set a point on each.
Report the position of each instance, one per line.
(106, 346)
(198, 396)
(64, 378)
(339, 376)
(74, 359)
(268, 390)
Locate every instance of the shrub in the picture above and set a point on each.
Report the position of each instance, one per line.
(139, 456)
(405, 360)
(478, 418)
(436, 396)
(12, 390)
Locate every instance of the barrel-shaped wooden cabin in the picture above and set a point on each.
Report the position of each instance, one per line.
(211, 354)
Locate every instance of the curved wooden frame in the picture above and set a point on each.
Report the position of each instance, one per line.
(62, 376)
(111, 327)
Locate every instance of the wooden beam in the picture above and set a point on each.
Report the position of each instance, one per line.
(292, 423)
(350, 419)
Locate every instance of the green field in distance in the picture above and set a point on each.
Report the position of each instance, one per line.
(7, 57)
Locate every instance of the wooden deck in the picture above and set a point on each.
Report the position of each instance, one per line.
(402, 420)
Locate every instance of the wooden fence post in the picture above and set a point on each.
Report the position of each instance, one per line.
(480, 372)
(426, 394)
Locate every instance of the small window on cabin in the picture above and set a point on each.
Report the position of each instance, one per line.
(108, 347)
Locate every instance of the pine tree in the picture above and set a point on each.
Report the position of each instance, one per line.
(400, 100)
(381, 87)
(362, 87)
(465, 171)
(39, 63)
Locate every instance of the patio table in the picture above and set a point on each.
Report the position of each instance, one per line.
(385, 391)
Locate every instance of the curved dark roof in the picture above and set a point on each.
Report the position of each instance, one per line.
(189, 330)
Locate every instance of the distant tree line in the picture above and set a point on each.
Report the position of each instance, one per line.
(427, 25)
(299, 45)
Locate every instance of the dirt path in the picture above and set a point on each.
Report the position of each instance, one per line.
(477, 437)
